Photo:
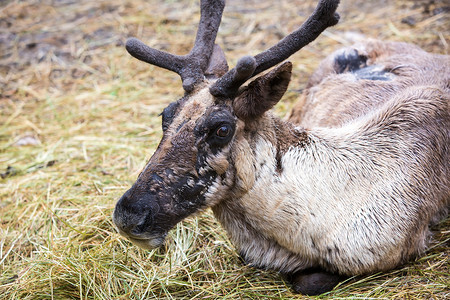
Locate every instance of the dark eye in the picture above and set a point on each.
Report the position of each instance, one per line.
(223, 131)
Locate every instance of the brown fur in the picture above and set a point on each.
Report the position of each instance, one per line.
(348, 185)
(348, 98)
(262, 93)
(403, 123)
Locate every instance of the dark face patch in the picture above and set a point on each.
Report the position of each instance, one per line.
(176, 180)
(216, 128)
(168, 114)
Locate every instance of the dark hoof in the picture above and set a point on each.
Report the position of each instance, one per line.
(314, 281)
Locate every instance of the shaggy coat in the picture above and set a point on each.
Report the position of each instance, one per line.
(347, 185)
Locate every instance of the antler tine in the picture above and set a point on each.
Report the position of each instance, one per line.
(211, 15)
(190, 67)
(323, 17)
(153, 56)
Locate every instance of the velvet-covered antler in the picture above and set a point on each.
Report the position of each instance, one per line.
(190, 67)
(323, 17)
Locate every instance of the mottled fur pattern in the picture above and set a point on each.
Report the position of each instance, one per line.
(349, 184)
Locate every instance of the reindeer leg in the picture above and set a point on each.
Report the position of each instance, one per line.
(314, 281)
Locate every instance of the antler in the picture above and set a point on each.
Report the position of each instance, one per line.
(190, 67)
(323, 17)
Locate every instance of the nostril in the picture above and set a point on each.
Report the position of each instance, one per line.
(138, 230)
(144, 225)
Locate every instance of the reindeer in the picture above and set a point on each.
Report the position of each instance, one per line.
(348, 185)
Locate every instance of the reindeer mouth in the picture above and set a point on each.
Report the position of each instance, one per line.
(147, 242)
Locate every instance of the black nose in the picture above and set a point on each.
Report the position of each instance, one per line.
(133, 213)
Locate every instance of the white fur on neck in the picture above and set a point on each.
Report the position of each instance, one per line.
(333, 203)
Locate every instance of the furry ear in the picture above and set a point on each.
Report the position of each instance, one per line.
(217, 65)
(263, 93)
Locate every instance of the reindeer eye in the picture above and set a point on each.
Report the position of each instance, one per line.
(218, 130)
(223, 131)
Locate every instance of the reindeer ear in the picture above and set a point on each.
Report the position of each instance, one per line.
(217, 65)
(263, 93)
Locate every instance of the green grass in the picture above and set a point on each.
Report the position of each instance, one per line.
(88, 116)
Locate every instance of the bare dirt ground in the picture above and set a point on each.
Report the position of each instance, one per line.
(79, 118)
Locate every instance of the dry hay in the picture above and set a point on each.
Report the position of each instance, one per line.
(79, 118)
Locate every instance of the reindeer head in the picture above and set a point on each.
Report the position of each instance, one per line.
(198, 161)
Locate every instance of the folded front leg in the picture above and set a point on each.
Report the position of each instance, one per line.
(314, 281)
